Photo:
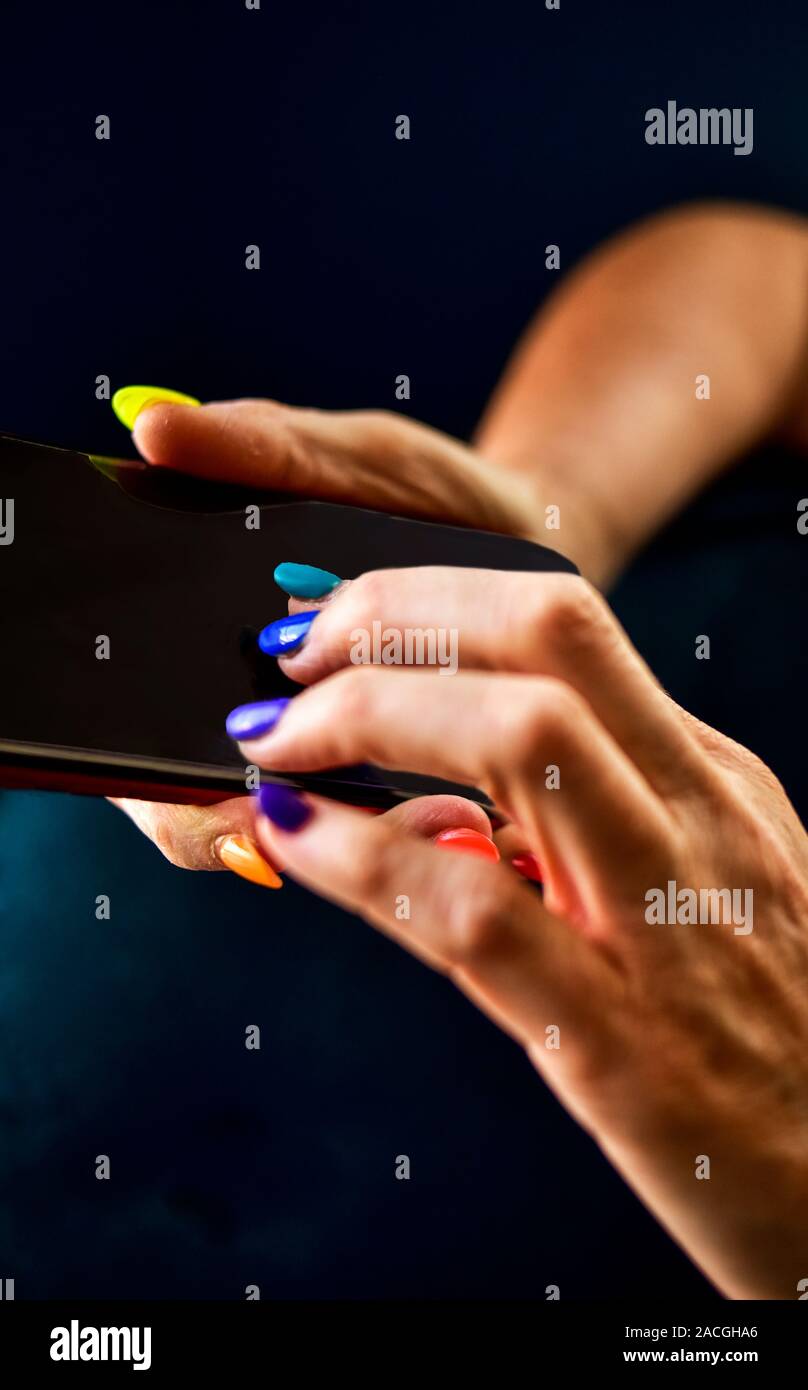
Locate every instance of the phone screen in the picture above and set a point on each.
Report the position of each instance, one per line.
(132, 600)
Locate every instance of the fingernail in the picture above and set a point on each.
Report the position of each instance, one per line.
(528, 866)
(283, 806)
(242, 857)
(248, 721)
(285, 634)
(467, 842)
(128, 401)
(305, 581)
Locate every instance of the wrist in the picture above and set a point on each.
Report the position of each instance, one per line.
(569, 521)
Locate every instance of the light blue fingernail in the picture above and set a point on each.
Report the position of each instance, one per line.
(305, 581)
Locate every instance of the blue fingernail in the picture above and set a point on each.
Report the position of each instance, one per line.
(305, 581)
(248, 721)
(283, 806)
(285, 634)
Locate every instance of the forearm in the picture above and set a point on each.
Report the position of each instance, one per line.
(600, 400)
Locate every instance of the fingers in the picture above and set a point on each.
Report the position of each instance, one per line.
(532, 743)
(372, 458)
(475, 921)
(548, 624)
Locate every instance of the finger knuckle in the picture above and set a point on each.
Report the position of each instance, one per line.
(572, 614)
(368, 594)
(380, 434)
(381, 421)
(544, 727)
(348, 696)
(478, 923)
(372, 877)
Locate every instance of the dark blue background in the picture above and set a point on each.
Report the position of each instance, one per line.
(378, 257)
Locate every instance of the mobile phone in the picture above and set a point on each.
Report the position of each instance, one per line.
(131, 599)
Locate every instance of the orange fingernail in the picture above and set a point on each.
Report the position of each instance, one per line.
(242, 856)
(528, 866)
(467, 842)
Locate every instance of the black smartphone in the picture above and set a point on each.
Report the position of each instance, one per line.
(131, 599)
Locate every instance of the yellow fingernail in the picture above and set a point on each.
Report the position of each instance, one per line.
(241, 855)
(130, 400)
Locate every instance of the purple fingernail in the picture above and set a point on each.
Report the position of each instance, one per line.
(285, 807)
(249, 721)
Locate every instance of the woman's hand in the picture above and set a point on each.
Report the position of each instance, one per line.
(371, 458)
(681, 1045)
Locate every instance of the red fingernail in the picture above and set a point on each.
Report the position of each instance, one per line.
(528, 866)
(467, 842)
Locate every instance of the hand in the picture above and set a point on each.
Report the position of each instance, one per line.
(596, 414)
(683, 1048)
(371, 458)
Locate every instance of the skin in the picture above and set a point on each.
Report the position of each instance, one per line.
(696, 1042)
(677, 1042)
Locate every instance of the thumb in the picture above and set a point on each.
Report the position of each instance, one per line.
(250, 442)
(363, 457)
